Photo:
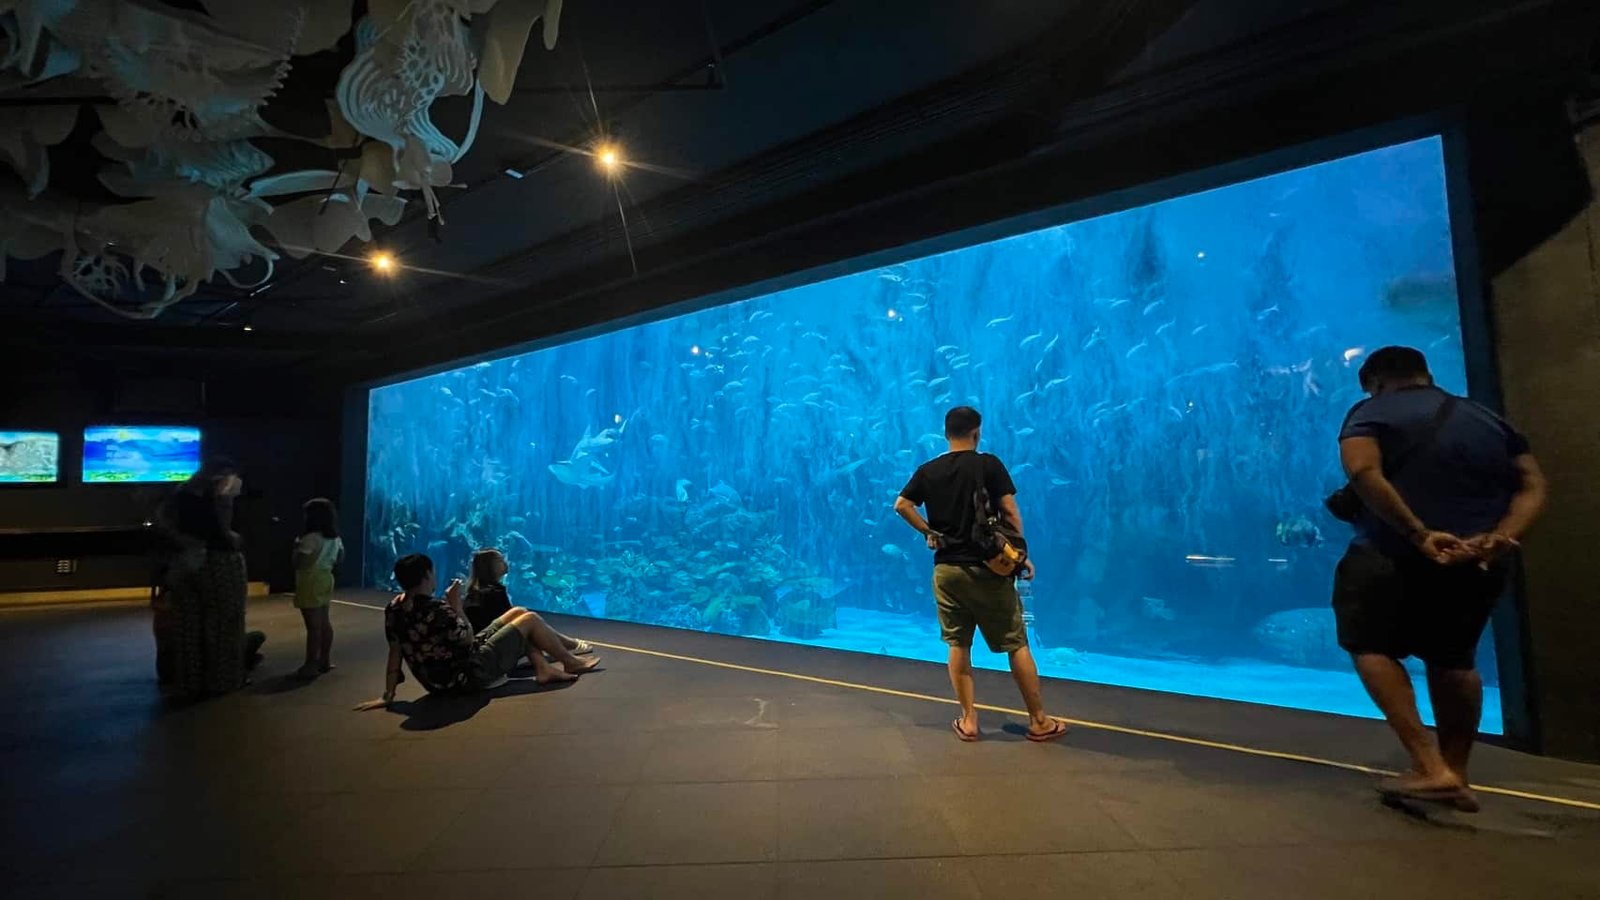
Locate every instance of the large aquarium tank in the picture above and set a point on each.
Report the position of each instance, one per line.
(1166, 384)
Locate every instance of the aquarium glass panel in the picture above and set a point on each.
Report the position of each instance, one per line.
(29, 457)
(1165, 383)
(118, 454)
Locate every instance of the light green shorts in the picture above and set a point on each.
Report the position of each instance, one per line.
(972, 598)
(313, 588)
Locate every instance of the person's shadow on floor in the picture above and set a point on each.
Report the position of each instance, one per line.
(431, 712)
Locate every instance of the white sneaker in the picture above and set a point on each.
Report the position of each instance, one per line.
(496, 683)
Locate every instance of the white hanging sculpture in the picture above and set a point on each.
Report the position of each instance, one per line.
(188, 90)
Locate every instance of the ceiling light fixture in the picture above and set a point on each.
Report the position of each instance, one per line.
(382, 262)
(609, 157)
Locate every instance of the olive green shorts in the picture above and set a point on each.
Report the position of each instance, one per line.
(974, 598)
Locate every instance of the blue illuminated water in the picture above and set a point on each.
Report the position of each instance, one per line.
(1165, 384)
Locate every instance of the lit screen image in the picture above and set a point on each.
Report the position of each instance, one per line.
(29, 457)
(1165, 384)
(119, 454)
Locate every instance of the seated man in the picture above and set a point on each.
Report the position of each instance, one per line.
(434, 639)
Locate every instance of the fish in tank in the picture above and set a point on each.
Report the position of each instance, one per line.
(129, 454)
(1165, 383)
(29, 457)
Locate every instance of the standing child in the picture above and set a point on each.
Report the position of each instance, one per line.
(316, 553)
(487, 599)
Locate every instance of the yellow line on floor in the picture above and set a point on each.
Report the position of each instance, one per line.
(1079, 723)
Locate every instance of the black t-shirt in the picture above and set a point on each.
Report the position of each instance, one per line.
(484, 604)
(944, 486)
(202, 517)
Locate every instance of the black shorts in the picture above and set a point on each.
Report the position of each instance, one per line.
(1409, 606)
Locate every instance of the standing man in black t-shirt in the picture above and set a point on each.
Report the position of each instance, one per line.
(970, 597)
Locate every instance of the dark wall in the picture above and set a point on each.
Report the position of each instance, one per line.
(284, 437)
(1538, 224)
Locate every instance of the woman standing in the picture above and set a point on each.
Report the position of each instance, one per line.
(207, 583)
(316, 553)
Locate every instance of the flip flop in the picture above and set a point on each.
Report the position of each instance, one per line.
(965, 737)
(1057, 729)
(1458, 797)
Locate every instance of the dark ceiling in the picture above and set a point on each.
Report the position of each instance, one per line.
(757, 123)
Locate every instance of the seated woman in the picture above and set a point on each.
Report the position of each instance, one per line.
(434, 639)
(487, 599)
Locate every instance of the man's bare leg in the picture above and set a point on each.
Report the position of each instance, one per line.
(1457, 696)
(1026, 674)
(542, 636)
(966, 692)
(1389, 686)
(543, 672)
(515, 612)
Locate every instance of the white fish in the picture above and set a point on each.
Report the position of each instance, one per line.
(1052, 345)
(1024, 432)
(894, 550)
(1030, 339)
(1135, 349)
(1166, 327)
(1094, 338)
(947, 349)
(1000, 321)
(1197, 331)
(1055, 382)
(1154, 306)
(936, 383)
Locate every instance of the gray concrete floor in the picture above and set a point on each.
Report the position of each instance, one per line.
(665, 778)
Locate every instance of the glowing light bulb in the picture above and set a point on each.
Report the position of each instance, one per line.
(609, 157)
(249, 328)
(382, 262)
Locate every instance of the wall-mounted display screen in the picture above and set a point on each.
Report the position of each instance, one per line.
(118, 454)
(30, 457)
(1166, 384)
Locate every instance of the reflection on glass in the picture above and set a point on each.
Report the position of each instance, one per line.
(1165, 383)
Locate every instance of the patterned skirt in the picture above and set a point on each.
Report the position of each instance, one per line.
(208, 591)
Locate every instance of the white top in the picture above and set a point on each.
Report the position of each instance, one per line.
(322, 551)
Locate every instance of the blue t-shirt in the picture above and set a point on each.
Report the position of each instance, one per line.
(1461, 482)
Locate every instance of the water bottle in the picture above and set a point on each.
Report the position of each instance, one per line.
(1025, 598)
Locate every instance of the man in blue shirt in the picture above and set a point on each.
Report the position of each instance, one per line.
(1448, 490)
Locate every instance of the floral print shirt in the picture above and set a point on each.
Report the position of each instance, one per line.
(435, 642)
